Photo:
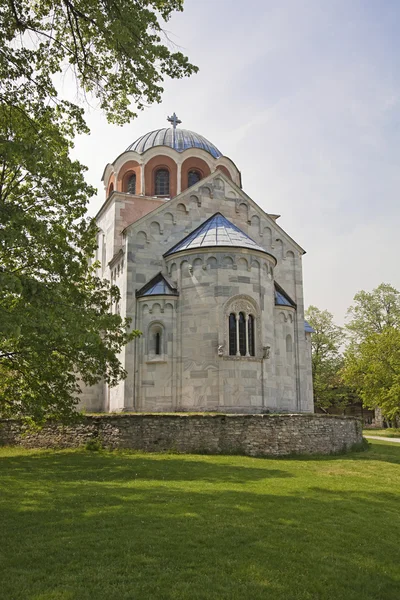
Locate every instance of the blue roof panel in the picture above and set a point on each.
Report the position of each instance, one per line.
(308, 328)
(160, 284)
(216, 231)
(184, 139)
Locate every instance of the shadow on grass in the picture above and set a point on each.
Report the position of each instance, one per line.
(120, 466)
(77, 526)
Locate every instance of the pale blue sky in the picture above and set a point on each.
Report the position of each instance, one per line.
(304, 96)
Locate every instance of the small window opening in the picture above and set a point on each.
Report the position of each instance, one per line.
(251, 335)
(232, 334)
(193, 178)
(132, 184)
(158, 343)
(162, 182)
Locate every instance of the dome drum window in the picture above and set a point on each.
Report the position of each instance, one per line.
(161, 182)
(131, 187)
(193, 177)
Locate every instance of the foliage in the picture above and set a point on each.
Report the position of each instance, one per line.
(373, 367)
(373, 312)
(327, 361)
(372, 360)
(55, 317)
(123, 525)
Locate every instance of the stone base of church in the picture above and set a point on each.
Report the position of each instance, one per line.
(252, 435)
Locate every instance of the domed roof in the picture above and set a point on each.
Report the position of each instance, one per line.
(182, 140)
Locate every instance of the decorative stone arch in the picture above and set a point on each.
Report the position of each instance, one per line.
(156, 340)
(145, 307)
(185, 268)
(169, 219)
(141, 238)
(242, 208)
(206, 191)
(195, 199)
(228, 261)
(110, 186)
(267, 234)
(182, 208)
(193, 163)
(224, 170)
(198, 262)
(255, 222)
(219, 184)
(243, 263)
(249, 307)
(212, 262)
(155, 164)
(279, 250)
(126, 170)
(155, 228)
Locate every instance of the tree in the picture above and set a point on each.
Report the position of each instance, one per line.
(327, 360)
(372, 360)
(55, 315)
(373, 312)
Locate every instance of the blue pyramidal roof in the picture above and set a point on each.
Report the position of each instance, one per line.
(216, 231)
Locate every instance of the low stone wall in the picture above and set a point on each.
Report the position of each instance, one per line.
(253, 435)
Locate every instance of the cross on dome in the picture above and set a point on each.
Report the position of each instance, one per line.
(174, 120)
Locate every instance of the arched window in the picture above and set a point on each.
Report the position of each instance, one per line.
(131, 189)
(193, 177)
(242, 329)
(157, 343)
(250, 329)
(242, 334)
(162, 182)
(232, 334)
(289, 346)
(111, 189)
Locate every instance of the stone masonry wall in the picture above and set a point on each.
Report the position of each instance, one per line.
(253, 435)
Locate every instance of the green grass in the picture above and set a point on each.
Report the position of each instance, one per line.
(78, 525)
(389, 432)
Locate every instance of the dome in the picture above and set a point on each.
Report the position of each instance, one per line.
(165, 137)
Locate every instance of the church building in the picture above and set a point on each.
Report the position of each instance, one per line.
(210, 279)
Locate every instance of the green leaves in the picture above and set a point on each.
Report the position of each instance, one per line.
(373, 356)
(55, 315)
(327, 361)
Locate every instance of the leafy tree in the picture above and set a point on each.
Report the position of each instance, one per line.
(55, 317)
(372, 360)
(373, 312)
(327, 360)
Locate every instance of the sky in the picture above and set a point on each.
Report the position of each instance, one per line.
(304, 97)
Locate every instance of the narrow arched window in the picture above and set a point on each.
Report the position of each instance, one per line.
(232, 334)
(111, 189)
(157, 343)
(162, 182)
(242, 334)
(289, 346)
(193, 177)
(132, 184)
(250, 325)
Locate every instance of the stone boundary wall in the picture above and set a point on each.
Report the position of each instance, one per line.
(253, 435)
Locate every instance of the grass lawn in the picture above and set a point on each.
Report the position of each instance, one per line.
(76, 525)
(389, 432)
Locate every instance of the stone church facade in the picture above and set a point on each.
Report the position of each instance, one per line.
(211, 280)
